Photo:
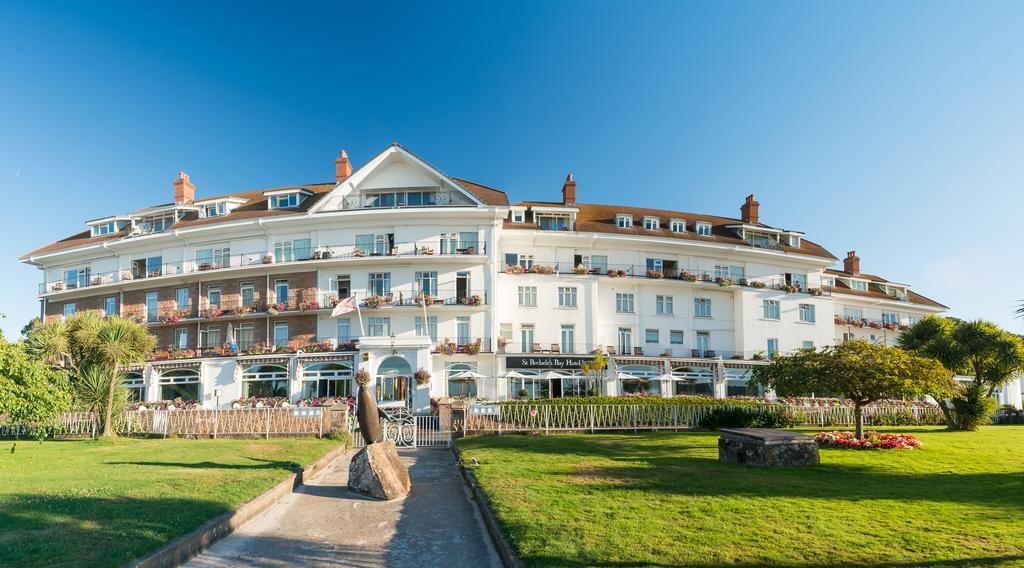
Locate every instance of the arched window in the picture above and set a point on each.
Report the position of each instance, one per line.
(460, 387)
(264, 381)
(645, 379)
(393, 376)
(333, 379)
(694, 381)
(136, 386)
(179, 383)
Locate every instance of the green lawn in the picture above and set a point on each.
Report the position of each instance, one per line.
(103, 503)
(662, 499)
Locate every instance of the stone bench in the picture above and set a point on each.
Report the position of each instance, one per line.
(766, 447)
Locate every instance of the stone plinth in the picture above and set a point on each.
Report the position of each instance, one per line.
(377, 471)
(766, 447)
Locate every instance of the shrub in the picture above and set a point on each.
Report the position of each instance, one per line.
(972, 412)
(634, 399)
(747, 418)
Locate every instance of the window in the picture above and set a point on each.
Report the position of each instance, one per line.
(212, 336)
(343, 285)
(426, 283)
(265, 381)
(703, 342)
(675, 337)
(378, 327)
(828, 281)
(625, 340)
(807, 313)
(288, 251)
(505, 332)
(858, 285)
(215, 209)
(702, 307)
(599, 263)
(528, 296)
(332, 379)
(110, 306)
(652, 336)
(181, 298)
(181, 338)
(152, 310)
(431, 329)
(402, 199)
(853, 313)
(104, 229)
(553, 222)
(568, 339)
(704, 229)
(655, 264)
(624, 303)
(890, 318)
(285, 201)
(247, 291)
(734, 273)
(459, 386)
(807, 345)
(663, 305)
(379, 283)
(652, 223)
(69, 309)
(213, 296)
(377, 244)
(147, 267)
(136, 387)
(677, 226)
(771, 309)
(566, 297)
(280, 334)
(517, 216)
(526, 337)
(773, 347)
(281, 291)
(179, 383)
(344, 330)
(794, 240)
(462, 330)
(157, 224)
(245, 336)
(624, 221)
(217, 257)
(77, 278)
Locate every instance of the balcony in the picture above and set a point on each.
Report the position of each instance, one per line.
(463, 346)
(869, 323)
(141, 270)
(188, 350)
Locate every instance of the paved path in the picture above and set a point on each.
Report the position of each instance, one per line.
(324, 524)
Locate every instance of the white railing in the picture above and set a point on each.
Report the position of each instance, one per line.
(264, 422)
(430, 431)
(69, 424)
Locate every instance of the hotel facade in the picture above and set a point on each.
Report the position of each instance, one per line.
(494, 299)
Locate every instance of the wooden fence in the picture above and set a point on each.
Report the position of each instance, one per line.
(636, 417)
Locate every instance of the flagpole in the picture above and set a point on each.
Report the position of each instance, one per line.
(359, 313)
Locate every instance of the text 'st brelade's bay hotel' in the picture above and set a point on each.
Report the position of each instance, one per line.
(494, 299)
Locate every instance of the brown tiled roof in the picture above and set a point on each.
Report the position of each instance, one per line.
(254, 207)
(874, 291)
(601, 219)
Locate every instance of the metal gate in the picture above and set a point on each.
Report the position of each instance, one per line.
(409, 431)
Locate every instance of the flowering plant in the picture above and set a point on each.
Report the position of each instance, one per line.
(875, 325)
(375, 301)
(314, 305)
(503, 341)
(362, 377)
(757, 284)
(176, 404)
(423, 300)
(655, 274)
(256, 349)
(616, 273)
(474, 300)
(213, 313)
(267, 259)
(446, 347)
(723, 281)
(688, 276)
(514, 269)
(326, 401)
(471, 348)
(261, 402)
(319, 347)
(871, 441)
(174, 317)
(580, 269)
(815, 291)
(183, 354)
(422, 376)
(543, 269)
(790, 288)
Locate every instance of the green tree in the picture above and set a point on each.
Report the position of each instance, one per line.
(30, 391)
(856, 370)
(979, 349)
(87, 344)
(594, 369)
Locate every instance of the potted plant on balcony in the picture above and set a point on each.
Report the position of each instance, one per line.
(446, 347)
(213, 313)
(473, 301)
(96, 280)
(422, 377)
(126, 275)
(272, 310)
(790, 288)
(358, 253)
(423, 300)
(256, 349)
(723, 281)
(687, 276)
(205, 266)
(376, 301)
(426, 250)
(757, 284)
(543, 269)
(470, 250)
(839, 320)
(502, 342)
(616, 273)
(705, 278)
(58, 286)
(514, 269)
(815, 291)
(580, 269)
(471, 348)
(183, 354)
(655, 274)
(875, 325)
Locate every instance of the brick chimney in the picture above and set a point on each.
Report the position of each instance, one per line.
(184, 190)
(748, 211)
(342, 167)
(569, 191)
(851, 263)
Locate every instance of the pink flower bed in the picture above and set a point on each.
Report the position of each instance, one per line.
(871, 441)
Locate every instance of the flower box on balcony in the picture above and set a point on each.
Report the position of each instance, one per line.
(790, 288)
(205, 266)
(446, 348)
(267, 259)
(815, 291)
(425, 250)
(723, 281)
(543, 269)
(474, 300)
(514, 269)
(580, 269)
(655, 274)
(758, 284)
(96, 280)
(423, 300)
(471, 348)
(617, 273)
(688, 276)
(376, 301)
(306, 306)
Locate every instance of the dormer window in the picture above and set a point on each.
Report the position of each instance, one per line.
(518, 216)
(858, 285)
(828, 281)
(624, 221)
(157, 223)
(652, 223)
(286, 199)
(704, 229)
(554, 222)
(794, 241)
(215, 210)
(104, 229)
(677, 226)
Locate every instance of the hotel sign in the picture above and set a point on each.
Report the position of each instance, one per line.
(544, 362)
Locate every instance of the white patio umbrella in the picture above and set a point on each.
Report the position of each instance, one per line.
(553, 375)
(466, 376)
(514, 375)
(626, 376)
(231, 333)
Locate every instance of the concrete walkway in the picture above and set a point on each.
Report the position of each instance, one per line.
(324, 524)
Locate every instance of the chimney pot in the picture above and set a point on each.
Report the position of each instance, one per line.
(851, 264)
(748, 211)
(569, 191)
(184, 190)
(342, 167)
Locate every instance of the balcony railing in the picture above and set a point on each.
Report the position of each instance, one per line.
(463, 346)
(869, 323)
(675, 351)
(189, 350)
(141, 270)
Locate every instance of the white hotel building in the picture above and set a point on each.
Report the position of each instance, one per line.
(238, 289)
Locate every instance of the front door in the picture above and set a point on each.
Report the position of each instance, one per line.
(461, 286)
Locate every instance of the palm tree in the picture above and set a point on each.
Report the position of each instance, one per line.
(116, 343)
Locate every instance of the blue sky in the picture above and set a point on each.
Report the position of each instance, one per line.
(891, 128)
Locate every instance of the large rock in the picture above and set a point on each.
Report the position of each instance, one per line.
(766, 447)
(377, 471)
